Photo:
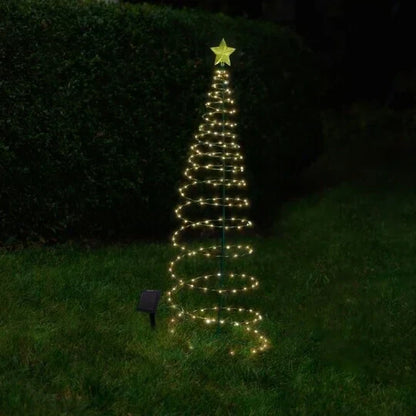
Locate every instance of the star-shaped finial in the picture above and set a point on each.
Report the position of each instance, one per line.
(222, 53)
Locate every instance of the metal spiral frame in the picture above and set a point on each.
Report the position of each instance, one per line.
(216, 154)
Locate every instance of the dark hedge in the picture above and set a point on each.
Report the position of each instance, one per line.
(98, 103)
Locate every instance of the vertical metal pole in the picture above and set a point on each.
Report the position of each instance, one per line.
(222, 263)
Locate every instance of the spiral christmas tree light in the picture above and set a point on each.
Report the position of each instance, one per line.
(210, 203)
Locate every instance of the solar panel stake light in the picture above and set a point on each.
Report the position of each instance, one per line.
(148, 303)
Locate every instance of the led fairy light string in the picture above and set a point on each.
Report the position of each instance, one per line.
(215, 163)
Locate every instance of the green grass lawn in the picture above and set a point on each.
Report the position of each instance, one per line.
(337, 294)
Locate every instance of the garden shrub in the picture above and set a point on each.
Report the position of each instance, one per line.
(99, 103)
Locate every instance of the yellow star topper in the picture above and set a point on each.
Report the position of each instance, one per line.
(222, 53)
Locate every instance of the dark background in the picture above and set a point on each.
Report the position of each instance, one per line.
(87, 125)
(365, 46)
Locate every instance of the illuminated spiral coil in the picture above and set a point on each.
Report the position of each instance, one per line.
(215, 156)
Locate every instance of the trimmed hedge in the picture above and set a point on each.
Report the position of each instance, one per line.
(99, 103)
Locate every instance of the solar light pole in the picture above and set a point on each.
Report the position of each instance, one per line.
(148, 303)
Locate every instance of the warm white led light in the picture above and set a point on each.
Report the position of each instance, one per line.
(215, 163)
